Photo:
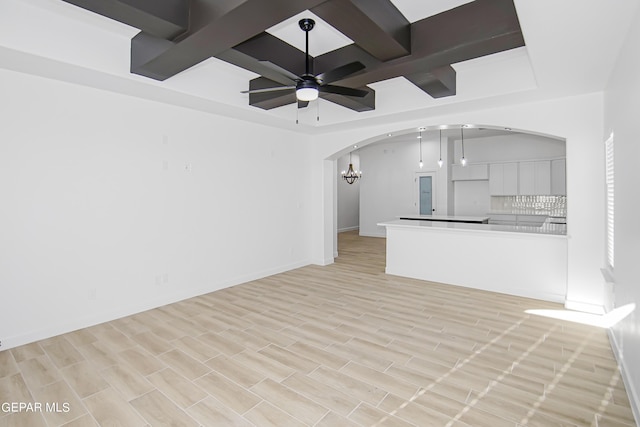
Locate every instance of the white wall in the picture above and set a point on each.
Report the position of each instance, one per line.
(622, 103)
(113, 204)
(388, 188)
(512, 147)
(348, 195)
(471, 198)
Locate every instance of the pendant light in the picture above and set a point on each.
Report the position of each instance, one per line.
(463, 160)
(420, 145)
(351, 175)
(440, 162)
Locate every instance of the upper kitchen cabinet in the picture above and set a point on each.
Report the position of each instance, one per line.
(535, 178)
(503, 179)
(558, 177)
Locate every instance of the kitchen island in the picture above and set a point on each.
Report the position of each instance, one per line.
(527, 261)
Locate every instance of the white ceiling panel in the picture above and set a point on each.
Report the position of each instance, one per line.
(415, 10)
(323, 37)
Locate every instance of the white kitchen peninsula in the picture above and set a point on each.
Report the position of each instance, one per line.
(526, 261)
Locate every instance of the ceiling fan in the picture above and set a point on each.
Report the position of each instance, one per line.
(308, 86)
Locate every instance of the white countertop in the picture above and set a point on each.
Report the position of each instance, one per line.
(544, 229)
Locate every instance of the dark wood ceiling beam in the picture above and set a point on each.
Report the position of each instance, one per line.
(377, 26)
(368, 103)
(166, 19)
(177, 34)
(460, 32)
(438, 83)
(265, 47)
(225, 30)
(453, 36)
(249, 63)
(344, 55)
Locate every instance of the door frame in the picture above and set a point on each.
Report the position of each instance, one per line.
(416, 191)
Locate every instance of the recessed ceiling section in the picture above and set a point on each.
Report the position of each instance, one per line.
(417, 10)
(422, 51)
(386, 38)
(323, 38)
(470, 51)
(82, 42)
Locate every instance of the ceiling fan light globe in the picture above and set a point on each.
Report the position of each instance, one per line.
(307, 94)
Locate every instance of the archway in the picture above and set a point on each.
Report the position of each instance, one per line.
(392, 164)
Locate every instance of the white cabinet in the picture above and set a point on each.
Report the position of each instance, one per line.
(503, 179)
(471, 172)
(528, 178)
(558, 177)
(535, 178)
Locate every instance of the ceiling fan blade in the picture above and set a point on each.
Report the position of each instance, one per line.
(268, 89)
(302, 104)
(339, 73)
(341, 90)
(278, 69)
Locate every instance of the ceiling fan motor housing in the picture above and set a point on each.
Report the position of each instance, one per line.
(306, 24)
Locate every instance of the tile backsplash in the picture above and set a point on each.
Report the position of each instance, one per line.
(531, 205)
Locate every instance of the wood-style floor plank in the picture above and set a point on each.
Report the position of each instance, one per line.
(341, 345)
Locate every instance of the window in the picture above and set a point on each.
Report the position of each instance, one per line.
(610, 200)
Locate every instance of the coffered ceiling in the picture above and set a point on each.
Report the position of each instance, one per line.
(420, 57)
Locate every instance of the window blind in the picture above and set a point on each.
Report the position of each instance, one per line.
(610, 200)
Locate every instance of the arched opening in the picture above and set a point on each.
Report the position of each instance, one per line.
(512, 176)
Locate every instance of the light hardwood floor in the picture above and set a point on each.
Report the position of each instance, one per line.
(342, 345)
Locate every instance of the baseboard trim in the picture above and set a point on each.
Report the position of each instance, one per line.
(323, 261)
(107, 316)
(383, 235)
(584, 307)
(342, 230)
(632, 392)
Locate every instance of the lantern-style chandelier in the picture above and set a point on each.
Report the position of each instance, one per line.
(351, 175)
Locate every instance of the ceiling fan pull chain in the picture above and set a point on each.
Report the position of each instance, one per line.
(318, 110)
(297, 109)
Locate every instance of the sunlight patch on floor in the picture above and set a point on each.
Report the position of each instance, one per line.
(602, 321)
